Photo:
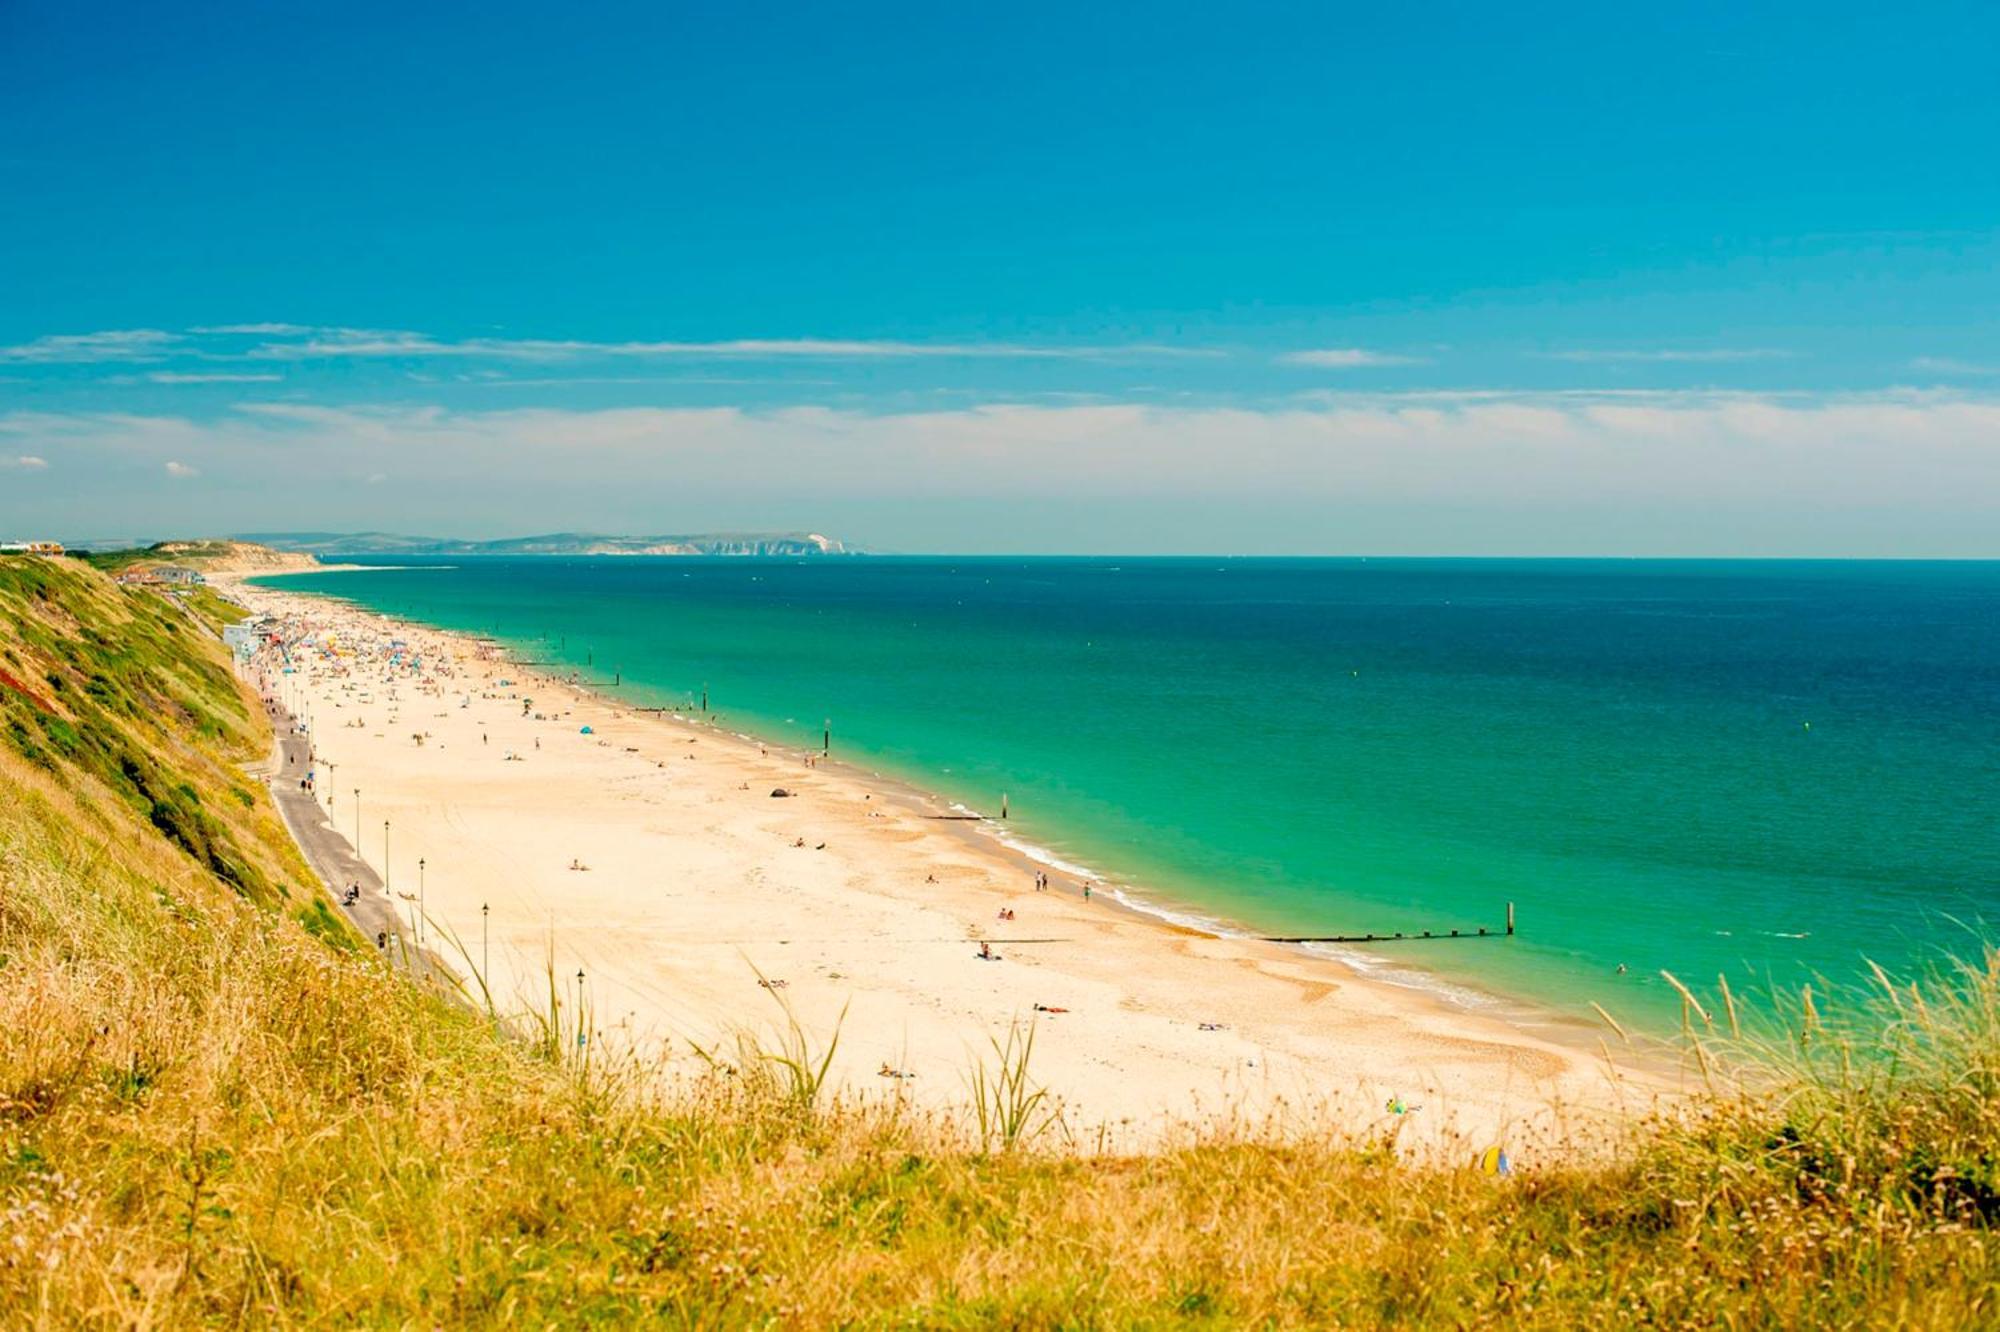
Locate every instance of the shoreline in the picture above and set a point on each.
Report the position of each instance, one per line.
(1420, 1040)
(1644, 1050)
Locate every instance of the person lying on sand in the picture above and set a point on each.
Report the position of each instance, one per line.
(1045, 1008)
(578, 865)
(772, 984)
(887, 1072)
(986, 953)
(1215, 1026)
(1006, 913)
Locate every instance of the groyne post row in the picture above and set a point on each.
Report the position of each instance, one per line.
(1396, 936)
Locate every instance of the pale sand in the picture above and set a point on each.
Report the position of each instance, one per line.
(696, 884)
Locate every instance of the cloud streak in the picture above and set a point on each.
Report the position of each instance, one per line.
(273, 330)
(179, 377)
(1950, 365)
(327, 344)
(1666, 355)
(113, 345)
(1347, 358)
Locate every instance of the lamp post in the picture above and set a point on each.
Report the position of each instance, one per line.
(420, 899)
(485, 966)
(579, 1006)
(385, 856)
(357, 820)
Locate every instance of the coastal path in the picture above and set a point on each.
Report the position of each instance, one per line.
(374, 913)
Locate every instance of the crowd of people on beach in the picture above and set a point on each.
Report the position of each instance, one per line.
(363, 664)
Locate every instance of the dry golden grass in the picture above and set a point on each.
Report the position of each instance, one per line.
(209, 1114)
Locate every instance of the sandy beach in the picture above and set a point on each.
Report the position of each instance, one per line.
(648, 851)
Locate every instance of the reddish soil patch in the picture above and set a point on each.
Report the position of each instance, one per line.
(25, 692)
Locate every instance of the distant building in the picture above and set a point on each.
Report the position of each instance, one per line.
(244, 636)
(31, 548)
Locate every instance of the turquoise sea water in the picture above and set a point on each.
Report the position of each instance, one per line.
(1763, 769)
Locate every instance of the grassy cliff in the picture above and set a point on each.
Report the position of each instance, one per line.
(211, 1111)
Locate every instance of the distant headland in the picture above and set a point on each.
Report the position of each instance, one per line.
(330, 544)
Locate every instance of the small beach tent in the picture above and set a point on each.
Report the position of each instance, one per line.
(588, 731)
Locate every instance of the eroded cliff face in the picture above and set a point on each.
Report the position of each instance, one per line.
(231, 557)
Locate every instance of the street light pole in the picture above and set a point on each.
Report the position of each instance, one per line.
(385, 856)
(357, 820)
(579, 1006)
(420, 899)
(485, 966)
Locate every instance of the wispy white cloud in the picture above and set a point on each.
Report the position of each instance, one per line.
(363, 343)
(126, 344)
(1683, 398)
(181, 471)
(1667, 355)
(178, 377)
(1347, 358)
(255, 330)
(565, 381)
(1949, 365)
(26, 462)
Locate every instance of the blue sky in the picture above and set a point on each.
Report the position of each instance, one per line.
(1291, 278)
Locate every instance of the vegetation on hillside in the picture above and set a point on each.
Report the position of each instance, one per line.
(193, 554)
(210, 1115)
(199, 555)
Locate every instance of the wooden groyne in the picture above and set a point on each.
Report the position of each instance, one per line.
(1398, 936)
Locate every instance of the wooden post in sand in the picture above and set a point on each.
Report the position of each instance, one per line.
(704, 698)
(1510, 918)
(826, 738)
(1003, 804)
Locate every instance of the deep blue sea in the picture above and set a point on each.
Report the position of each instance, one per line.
(1762, 769)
